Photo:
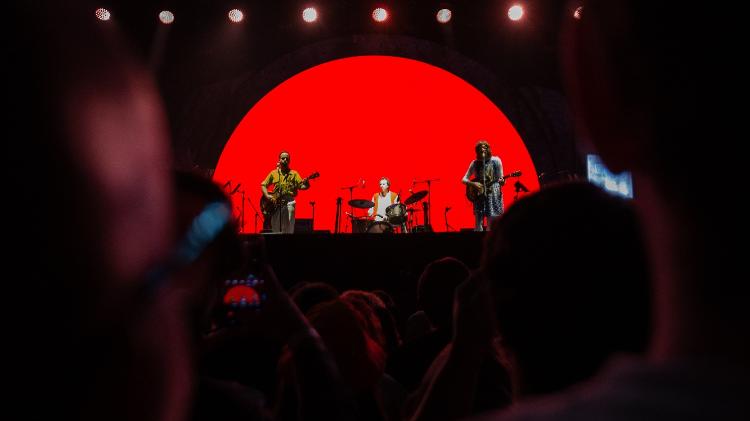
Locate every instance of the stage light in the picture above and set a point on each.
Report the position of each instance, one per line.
(515, 13)
(236, 16)
(577, 13)
(380, 14)
(103, 14)
(310, 15)
(166, 17)
(444, 15)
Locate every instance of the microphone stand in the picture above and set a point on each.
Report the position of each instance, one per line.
(519, 188)
(485, 193)
(338, 215)
(312, 220)
(242, 203)
(448, 227)
(428, 207)
(351, 197)
(242, 212)
(257, 215)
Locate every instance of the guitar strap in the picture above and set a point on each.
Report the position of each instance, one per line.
(284, 178)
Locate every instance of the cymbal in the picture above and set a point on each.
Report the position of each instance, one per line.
(361, 203)
(416, 197)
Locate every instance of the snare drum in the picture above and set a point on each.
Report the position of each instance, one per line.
(396, 214)
(379, 227)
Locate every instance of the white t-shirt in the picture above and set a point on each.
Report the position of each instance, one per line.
(383, 203)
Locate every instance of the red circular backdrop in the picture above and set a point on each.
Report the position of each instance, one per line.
(364, 118)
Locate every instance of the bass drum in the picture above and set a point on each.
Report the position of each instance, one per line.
(379, 227)
(359, 226)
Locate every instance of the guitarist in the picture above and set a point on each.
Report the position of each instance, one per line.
(285, 182)
(485, 176)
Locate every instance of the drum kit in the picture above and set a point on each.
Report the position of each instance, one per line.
(396, 215)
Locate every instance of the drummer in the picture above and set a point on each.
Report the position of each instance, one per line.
(381, 200)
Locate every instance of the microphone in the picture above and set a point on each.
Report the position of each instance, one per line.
(362, 183)
(227, 184)
(447, 208)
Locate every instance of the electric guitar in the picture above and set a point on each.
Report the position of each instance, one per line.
(269, 206)
(474, 193)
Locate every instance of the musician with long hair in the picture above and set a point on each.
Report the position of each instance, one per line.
(484, 180)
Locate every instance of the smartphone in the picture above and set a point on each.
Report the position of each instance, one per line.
(245, 293)
(241, 297)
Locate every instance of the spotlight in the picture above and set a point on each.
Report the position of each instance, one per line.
(515, 13)
(380, 14)
(310, 15)
(236, 16)
(444, 15)
(577, 13)
(166, 17)
(103, 14)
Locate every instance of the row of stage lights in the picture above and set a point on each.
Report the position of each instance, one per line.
(310, 15)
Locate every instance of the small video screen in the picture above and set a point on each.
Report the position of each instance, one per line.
(617, 184)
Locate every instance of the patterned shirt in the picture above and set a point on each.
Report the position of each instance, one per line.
(490, 204)
(284, 184)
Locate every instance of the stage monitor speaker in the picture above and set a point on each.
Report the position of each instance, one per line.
(303, 225)
(421, 228)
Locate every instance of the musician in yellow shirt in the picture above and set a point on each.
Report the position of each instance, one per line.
(286, 182)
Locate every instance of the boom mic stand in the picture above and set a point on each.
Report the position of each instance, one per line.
(351, 197)
(428, 208)
(257, 215)
(242, 202)
(519, 188)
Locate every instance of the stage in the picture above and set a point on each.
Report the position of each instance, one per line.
(391, 262)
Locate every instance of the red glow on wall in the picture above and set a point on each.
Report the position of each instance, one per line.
(368, 117)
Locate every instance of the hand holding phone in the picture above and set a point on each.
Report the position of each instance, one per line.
(244, 293)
